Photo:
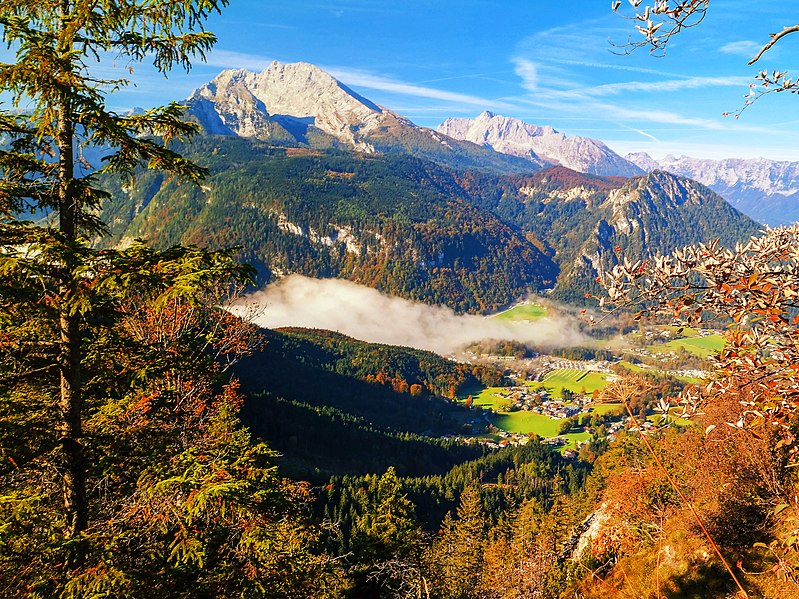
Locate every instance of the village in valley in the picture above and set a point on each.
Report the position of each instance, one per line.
(560, 401)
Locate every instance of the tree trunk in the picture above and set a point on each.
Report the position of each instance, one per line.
(70, 430)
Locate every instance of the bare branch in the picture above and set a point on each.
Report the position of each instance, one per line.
(775, 37)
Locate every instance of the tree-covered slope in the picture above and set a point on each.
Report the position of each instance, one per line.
(591, 221)
(471, 240)
(391, 222)
(321, 398)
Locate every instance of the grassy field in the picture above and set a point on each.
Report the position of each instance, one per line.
(516, 422)
(486, 398)
(698, 346)
(573, 380)
(572, 439)
(528, 422)
(523, 312)
(543, 426)
(690, 341)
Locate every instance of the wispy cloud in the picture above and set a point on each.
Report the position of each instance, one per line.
(577, 103)
(612, 66)
(746, 48)
(563, 63)
(358, 78)
(645, 134)
(668, 85)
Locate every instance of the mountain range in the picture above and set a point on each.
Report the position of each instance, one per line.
(517, 138)
(309, 177)
(766, 190)
(300, 104)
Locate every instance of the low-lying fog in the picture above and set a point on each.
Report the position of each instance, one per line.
(369, 315)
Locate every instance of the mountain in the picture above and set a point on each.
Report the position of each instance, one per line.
(592, 221)
(300, 104)
(765, 190)
(517, 138)
(308, 177)
(471, 240)
(393, 222)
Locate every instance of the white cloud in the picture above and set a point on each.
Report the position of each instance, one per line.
(577, 103)
(670, 85)
(370, 315)
(645, 134)
(562, 67)
(528, 72)
(746, 48)
(614, 66)
(360, 78)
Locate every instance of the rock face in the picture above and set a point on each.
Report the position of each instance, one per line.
(517, 138)
(291, 96)
(300, 104)
(765, 190)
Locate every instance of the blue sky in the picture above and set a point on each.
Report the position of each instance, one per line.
(547, 62)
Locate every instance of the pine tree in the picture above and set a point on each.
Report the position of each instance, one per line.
(44, 171)
(111, 361)
(457, 556)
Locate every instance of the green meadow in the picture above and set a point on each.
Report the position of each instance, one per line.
(524, 422)
(698, 346)
(523, 312)
(690, 341)
(577, 381)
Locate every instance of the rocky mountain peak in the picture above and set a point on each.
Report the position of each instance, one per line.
(249, 104)
(300, 104)
(643, 161)
(518, 138)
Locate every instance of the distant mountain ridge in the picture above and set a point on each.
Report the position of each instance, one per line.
(300, 104)
(518, 138)
(592, 221)
(766, 190)
(392, 222)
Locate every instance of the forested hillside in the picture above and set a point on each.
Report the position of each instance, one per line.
(320, 398)
(592, 222)
(390, 222)
(473, 240)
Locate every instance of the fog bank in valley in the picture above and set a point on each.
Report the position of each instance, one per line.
(367, 314)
